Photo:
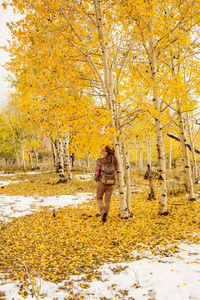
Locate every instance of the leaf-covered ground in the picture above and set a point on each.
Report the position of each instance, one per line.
(75, 241)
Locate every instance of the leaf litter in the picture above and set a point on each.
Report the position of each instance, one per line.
(76, 253)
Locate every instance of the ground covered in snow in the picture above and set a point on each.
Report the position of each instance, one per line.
(159, 268)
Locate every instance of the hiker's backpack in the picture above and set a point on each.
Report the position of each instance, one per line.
(107, 173)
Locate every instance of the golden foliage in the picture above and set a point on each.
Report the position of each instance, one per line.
(77, 242)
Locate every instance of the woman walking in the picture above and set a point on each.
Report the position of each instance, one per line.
(105, 180)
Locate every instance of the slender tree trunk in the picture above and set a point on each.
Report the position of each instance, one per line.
(148, 174)
(127, 168)
(193, 151)
(16, 153)
(61, 159)
(140, 157)
(59, 150)
(127, 176)
(17, 157)
(36, 158)
(54, 152)
(67, 161)
(107, 86)
(22, 154)
(185, 155)
(88, 160)
(148, 144)
(30, 158)
(170, 157)
(159, 135)
(136, 155)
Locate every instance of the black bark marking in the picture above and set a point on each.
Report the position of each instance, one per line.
(164, 214)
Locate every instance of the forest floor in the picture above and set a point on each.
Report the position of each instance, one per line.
(73, 255)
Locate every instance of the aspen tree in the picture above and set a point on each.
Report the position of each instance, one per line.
(192, 149)
(22, 155)
(80, 47)
(59, 150)
(170, 157)
(126, 162)
(67, 162)
(140, 156)
(30, 158)
(36, 157)
(148, 150)
(88, 160)
(177, 75)
(111, 105)
(146, 34)
(55, 158)
(159, 26)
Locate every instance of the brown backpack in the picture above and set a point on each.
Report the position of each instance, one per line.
(107, 173)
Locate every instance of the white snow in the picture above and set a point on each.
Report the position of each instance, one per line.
(3, 182)
(86, 177)
(156, 278)
(174, 278)
(18, 206)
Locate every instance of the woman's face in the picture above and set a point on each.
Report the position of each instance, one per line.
(104, 153)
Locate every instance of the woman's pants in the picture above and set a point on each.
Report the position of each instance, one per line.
(101, 190)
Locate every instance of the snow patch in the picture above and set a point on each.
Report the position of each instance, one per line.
(177, 278)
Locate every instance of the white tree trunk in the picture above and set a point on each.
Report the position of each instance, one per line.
(107, 86)
(127, 176)
(148, 174)
(59, 150)
(159, 135)
(185, 155)
(136, 155)
(148, 144)
(54, 152)
(140, 157)
(36, 158)
(126, 167)
(120, 178)
(22, 155)
(17, 157)
(67, 161)
(88, 160)
(16, 153)
(170, 157)
(195, 174)
(30, 158)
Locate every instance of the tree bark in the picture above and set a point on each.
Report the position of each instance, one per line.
(186, 160)
(22, 154)
(195, 174)
(159, 135)
(67, 161)
(107, 86)
(54, 153)
(140, 157)
(170, 157)
(30, 158)
(150, 177)
(148, 144)
(59, 150)
(88, 160)
(36, 158)
(127, 168)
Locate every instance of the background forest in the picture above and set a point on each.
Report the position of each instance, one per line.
(86, 74)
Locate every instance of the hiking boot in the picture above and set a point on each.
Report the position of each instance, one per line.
(103, 216)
